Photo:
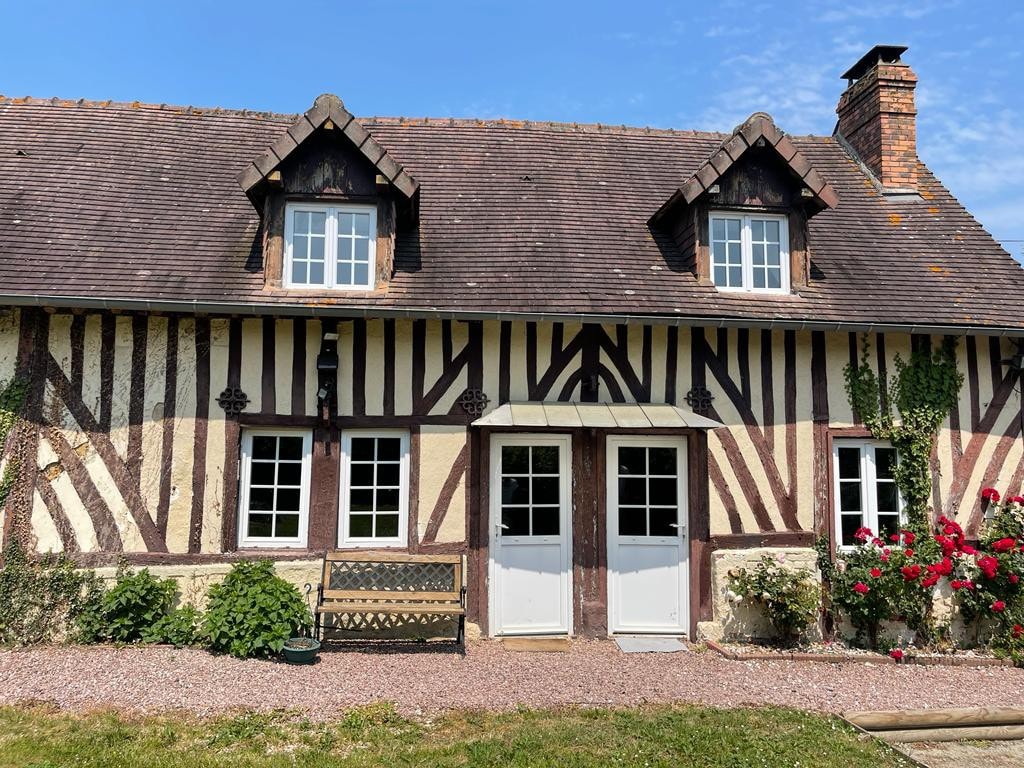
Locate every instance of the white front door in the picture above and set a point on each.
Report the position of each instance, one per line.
(647, 544)
(531, 557)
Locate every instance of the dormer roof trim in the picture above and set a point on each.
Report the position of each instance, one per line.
(758, 127)
(327, 107)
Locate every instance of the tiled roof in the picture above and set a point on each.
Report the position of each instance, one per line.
(131, 203)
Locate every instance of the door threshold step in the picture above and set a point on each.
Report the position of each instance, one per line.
(544, 644)
(650, 643)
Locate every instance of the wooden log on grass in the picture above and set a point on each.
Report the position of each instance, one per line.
(967, 733)
(937, 718)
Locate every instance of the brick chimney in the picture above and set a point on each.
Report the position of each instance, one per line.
(878, 119)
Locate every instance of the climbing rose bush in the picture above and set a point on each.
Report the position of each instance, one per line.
(789, 598)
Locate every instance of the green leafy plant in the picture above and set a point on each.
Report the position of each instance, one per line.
(42, 598)
(12, 398)
(179, 628)
(924, 390)
(253, 611)
(131, 610)
(789, 598)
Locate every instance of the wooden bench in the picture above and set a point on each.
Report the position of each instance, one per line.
(392, 583)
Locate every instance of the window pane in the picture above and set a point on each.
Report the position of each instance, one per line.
(361, 475)
(515, 490)
(302, 221)
(756, 229)
(545, 490)
(545, 459)
(361, 250)
(300, 247)
(759, 281)
(887, 497)
(888, 525)
(632, 490)
(773, 255)
(362, 224)
(344, 249)
(849, 497)
(662, 460)
(287, 526)
(632, 461)
(360, 526)
(360, 500)
(388, 474)
(318, 223)
(389, 448)
(849, 463)
(663, 491)
(362, 449)
(261, 499)
(288, 499)
(735, 254)
(719, 277)
(361, 275)
(291, 448)
(772, 231)
(299, 273)
(516, 521)
(735, 277)
(387, 499)
(316, 273)
(885, 461)
(316, 248)
(850, 524)
(733, 228)
(718, 252)
(261, 526)
(632, 521)
(344, 223)
(344, 273)
(774, 278)
(261, 473)
(663, 522)
(757, 254)
(545, 521)
(718, 229)
(289, 474)
(387, 526)
(515, 459)
(264, 447)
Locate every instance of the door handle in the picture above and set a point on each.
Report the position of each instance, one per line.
(674, 525)
(500, 527)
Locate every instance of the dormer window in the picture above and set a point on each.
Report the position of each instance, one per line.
(330, 246)
(749, 252)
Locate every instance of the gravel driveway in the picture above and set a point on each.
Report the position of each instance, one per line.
(428, 679)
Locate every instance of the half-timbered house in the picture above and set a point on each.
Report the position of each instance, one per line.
(602, 362)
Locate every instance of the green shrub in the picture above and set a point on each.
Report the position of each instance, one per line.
(789, 598)
(43, 598)
(253, 611)
(131, 610)
(179, 628)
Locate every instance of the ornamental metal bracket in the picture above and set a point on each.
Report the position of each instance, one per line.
(699, 399)
(233, 400)
(474, 402)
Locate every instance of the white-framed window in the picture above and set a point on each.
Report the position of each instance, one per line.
(749, 252)
(865, 490)
(274, 488)
(330, 246)
(374, 497)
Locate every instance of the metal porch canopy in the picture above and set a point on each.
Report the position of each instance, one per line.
(595, 415)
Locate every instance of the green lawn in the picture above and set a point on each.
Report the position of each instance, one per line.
(652, 736)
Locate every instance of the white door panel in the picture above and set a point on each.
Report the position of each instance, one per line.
(647, 541)
(530, 503)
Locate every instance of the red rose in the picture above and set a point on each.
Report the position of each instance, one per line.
(911, 572)
(990, 494)
(862, 534)
(1017, 499)
(988, 565)
(896, 653)
(1014, 578)
(876, 572)
(967, 549)
(885, 557)
(908, 552)
(861, 588)
(908, 537)
(894, 537)
(956, 583)
(947, 544)
(930, 580)
(1018, 631)
(998, 606)
(1004, 545)
(877, 542)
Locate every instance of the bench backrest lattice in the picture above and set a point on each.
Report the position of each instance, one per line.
(387, 577)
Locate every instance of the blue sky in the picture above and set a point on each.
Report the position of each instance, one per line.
(681, 65)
